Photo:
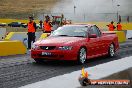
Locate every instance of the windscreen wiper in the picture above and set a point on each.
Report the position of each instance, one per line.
(78, 36)
(63, 35)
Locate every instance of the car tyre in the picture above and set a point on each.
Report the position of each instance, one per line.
(111, 51)
(82, 55)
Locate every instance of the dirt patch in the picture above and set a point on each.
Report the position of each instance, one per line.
(126, 75)
(24, 8)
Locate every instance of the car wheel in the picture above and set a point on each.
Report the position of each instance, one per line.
(111, 51)
(82, 55)
(37, 60)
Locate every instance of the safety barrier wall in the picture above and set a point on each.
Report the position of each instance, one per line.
(102, 25)
(44, 35)
(16, 36)
(21, 36)
(129, 34)
(121, 36)
(15, 20)
(17, 47)
(2, 33)
(12, 48)
(127, 29)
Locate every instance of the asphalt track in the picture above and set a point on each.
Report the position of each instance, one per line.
(20, 70)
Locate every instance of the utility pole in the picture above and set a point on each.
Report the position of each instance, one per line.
(117, 12)
(74, 9)
(84, 17)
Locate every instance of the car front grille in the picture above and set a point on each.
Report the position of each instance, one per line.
(48, 56)
(47, 47)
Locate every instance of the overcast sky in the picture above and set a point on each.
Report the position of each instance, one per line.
(94, 10)
(95, 6)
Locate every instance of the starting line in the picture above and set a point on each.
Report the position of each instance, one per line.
(97, 72)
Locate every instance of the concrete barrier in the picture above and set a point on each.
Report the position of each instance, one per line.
(121, 36)
(21, 36)
(44, 35)
(16, 20)
(2, 33)
(129, 34)
(16, 36)
(12, 48)
(102, 25)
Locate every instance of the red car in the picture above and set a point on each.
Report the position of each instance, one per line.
(75, 42)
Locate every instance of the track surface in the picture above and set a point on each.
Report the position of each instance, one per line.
(16, 71)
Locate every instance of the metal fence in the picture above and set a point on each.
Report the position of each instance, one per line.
(89, 17)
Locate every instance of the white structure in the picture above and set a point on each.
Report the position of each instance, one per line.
(2, 33)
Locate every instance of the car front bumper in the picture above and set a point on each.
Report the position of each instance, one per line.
(55, 54)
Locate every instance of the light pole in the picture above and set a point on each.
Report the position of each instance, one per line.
(117, 12)
(74, 9)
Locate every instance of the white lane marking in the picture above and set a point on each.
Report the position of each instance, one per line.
(71, 80)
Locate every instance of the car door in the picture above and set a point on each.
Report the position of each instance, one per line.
(100, 45)
(93, 43)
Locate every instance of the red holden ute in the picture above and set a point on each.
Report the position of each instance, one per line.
(75, 42)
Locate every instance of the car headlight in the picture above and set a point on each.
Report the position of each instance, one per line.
(35, 46)
(65, 48)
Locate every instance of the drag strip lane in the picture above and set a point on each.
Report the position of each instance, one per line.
(10, 61)
(96, 72)
(27, 71)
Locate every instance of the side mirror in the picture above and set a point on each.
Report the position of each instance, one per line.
(92, 36)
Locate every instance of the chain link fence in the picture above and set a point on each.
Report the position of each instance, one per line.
(89, 17)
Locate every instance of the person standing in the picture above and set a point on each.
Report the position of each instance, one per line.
(47, 25)
(111, 26)
(40, 22)
(128, 19)
(119, 26)
(31, 31)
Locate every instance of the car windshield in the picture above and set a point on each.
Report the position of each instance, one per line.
(71, 31)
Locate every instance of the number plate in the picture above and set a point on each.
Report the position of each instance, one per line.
(46, 53)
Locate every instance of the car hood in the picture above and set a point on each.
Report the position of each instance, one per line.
(59, 40)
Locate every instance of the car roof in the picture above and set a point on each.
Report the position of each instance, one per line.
(89, 25)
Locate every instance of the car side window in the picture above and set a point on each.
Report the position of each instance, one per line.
(95, 30)
(99, 32)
